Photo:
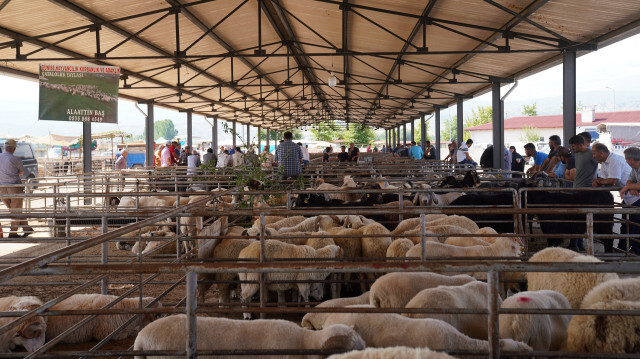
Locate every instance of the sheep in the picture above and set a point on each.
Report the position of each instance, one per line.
(151, 246)
(472, 295)
(396, 204)
(128, 203)
(445, 230)
(352, 249)
(610, 334)
(540, 331)
(413, 223)
(170, 333)
(466, 241)
(395, 290)
(355, 221)
(574, 286)
(392, 353)
(31, 333)
(503, 247)
(127, 245)
(399, 248)
(348, 183)
(330, 251)
(276, 249)
(286, 222)
(315, 320)
(102, 325)
(455, 220)
(374, 247)
(486, 230)
(312, 224)
(388, 330)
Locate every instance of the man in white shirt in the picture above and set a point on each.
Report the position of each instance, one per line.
(463, 153)
(305, 154)
(630, 194)
(223, 159)
(614, 170)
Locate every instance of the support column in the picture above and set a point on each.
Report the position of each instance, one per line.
(460, 123)
(86, 147)
(498, 126)
(259, 142)
(248, 135)
(190, 129)
(393, 137)
(398, 132)
(268, 134)
(404, 132)
(437, 121)
(234, 133)
(214, 134)
(149, 140)
(568, 96)
(413, 130)
(386, 138)
(423, 132)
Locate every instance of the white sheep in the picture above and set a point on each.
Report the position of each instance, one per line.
(414, 223)
(128, 203)
(352, 249)
(312, 224)
(539, 331)
(316, 320)
(444, 230)
(152, 246)
(31, 333)
(608, 333)
(355, 221)
(399, 248)
(286, 222)
(102, 325)
(455, 220)
(388, 330)
(472, 295)
(170, 333)
(466, 241)
(574, 286)
(395, 290)
(374, 247)
(393, 353)
(503, 247)
(348, 183)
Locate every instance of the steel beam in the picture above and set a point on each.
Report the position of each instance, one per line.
(86, 147)
(498, 127)
(568, 96)
(149, 139)
(214, 135)
(437, 121)
(412, 129)
(234, 134)
(190, 129)
(423, 132)
(460, 122)
(404, 133)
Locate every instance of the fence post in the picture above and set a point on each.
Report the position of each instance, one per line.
(191, 315)
(105, 252)
(590, 248)
(423, 234)
(263, 287)
(493, 280)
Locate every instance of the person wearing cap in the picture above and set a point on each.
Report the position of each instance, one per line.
(10, 171)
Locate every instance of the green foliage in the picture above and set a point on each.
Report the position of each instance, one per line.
(327, 131)
(530, 134)
(418, 132)
(449, 129)
(361, 134)
(272, 135)
(164, 128)
(479, 116)
(530, 110)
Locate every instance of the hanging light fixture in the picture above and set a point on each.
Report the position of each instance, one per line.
(333, 80)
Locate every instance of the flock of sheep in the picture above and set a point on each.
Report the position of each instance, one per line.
(430, 323)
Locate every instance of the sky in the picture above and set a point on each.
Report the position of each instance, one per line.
(616, 66)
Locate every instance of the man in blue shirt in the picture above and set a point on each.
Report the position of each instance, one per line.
(289, 156)
(538, 158)
(415, 152)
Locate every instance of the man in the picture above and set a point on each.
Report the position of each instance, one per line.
(166, 157)
(232, 150)
(266, 158)
(238, 157)
(562, 157)
(538, 158)
(354, 153)
(506, 159)
(209, 158)
(343, 156)
(384, 148)
(586, 165)
(193, 163)
(630, 194)
(184, 156)
(415, 152)
(402, 151)
(289, 156)
(221, 150)
(554, 143)
(614, 170)
(223, 159)
(517, 162)
(463, 156)
(431, 151)
(121, 162)
(369, 148)
(305, 154)
(11, 169)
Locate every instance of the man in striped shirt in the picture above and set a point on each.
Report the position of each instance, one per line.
(289, 156)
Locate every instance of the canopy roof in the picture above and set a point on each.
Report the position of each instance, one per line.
(267, 62)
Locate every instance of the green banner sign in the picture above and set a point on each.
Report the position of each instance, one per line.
(82, 93)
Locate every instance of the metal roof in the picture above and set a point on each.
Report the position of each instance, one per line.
(267, 62)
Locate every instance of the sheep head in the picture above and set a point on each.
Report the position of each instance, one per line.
(341, 337)
(30, 334)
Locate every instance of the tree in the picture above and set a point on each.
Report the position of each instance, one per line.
(326, 131)
(450, 129)
(418, 132)
(273, 136)
(479, 116)
(165, 129)
(530, 110)
(531, 134)
(361, 134)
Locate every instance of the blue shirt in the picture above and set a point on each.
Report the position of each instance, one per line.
(415, 152)
(538, 158)
(288, 156)
(559, 169)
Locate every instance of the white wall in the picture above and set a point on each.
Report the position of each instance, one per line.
(512, 135)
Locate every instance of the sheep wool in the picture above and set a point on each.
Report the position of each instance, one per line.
(102, 325)
(31, 333)
(399, 248)
(393, 353)
(574, 286)
(503, 247)
(609, 334)
(540, 331)
(395, 290)
(169, 333)
(316, 320)
(473, 295)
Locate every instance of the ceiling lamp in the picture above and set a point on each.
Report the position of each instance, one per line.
(333, 80)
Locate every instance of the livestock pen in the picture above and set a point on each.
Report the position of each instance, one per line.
(80, 256)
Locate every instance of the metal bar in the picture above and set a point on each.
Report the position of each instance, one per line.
(498, 127)
(233, 127)
(568, 96)
(437, 121)
(423, 132)
(191, 345)
(493, 281)
(460, 121)
(589, 225)
(149, 135)
(190, 129)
